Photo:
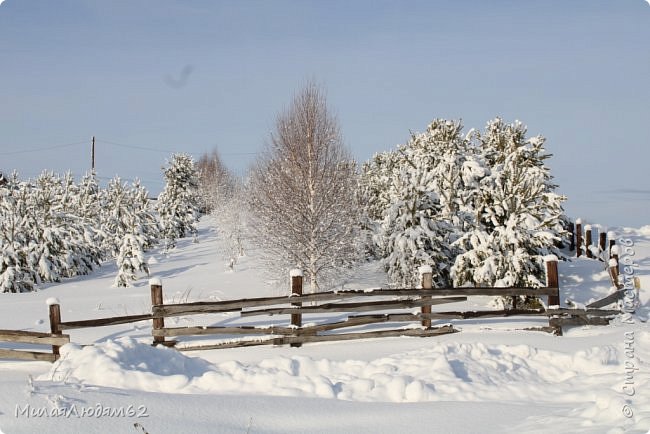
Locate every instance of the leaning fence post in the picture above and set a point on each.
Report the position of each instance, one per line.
(426, 279)
(611, 235)
(55, 322)
(578, 238)
(613, 272)
(553, 282)
(588, 241)
(613, 253)
(296, 291)
(602, 241)
(157, 300)
(614, 264)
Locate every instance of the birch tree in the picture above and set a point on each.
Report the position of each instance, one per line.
(302, 192)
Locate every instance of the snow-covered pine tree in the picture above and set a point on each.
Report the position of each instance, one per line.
(435, 169)
(15, 274)
(130, 260)
(132, 226)
(413, 232)
(518, 215)
(115, 201)
(376, 195)
(178, 204)
(144, 223)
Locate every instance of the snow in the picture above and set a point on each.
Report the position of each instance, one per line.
(155, 281)
(613, 263)
(578, 221)
(296, 272)
(550, 258)
(52, 301)
(489, 378)
(425, 269)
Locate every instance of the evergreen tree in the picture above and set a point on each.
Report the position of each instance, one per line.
(419, 198)
(518, 214)
(130, 260)
(178, 204)
(15, 273)
(413, 232)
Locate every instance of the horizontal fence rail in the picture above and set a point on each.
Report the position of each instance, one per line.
(28, 337)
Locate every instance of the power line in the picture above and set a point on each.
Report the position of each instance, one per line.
(143, 148)
(146, 148)
(27, 151)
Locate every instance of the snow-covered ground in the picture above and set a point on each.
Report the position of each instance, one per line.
(488, 378)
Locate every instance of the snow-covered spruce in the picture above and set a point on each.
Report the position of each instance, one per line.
(420, 199)
(518, 214)
(52, 228)
(178, 204)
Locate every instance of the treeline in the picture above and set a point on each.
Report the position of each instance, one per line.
(480, 207)
(54, 227)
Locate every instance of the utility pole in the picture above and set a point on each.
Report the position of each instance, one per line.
(93, 155)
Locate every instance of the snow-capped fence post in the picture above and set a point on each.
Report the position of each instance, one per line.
(426, 278)
(572, 239)
(613, 254)
(613, 272)
(602, 241)
(552, 280)
(588, 241)
(296, 290)
(55, 322)
(612, 242)
(578, 238)
(157, 299)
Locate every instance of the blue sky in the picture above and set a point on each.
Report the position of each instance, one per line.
(148, 78)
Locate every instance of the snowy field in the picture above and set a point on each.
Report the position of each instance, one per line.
(489, 378)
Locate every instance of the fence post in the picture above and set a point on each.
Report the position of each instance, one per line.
(612, 241)
(426, 279)
(55, 321)
(157, 299)
(578, 238)
(296, 290)
(553, 281)
(613, 253)
(613, 272)
(572, 240)
(588, 241)
(602, 241)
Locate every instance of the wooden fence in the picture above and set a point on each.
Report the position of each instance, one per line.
(594, 243)
(376, 309)
(296, 305)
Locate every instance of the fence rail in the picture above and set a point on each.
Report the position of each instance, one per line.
(27, 337)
